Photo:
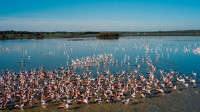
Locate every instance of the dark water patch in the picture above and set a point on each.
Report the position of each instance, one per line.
(31, 107)
(136, 103)
(168, 91)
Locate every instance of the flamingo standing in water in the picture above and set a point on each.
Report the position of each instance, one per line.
(20, 106)
(66, 106)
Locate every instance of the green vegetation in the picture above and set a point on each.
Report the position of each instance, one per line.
(40, 35)
(108, 35)
(3, 37)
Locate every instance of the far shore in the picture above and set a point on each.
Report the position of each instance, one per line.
(6, 35)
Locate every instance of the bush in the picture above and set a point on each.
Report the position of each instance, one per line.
(108, 35)
(40, 36)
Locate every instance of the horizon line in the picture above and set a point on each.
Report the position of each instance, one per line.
(103, 31)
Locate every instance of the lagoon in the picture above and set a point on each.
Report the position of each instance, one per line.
(174, 52)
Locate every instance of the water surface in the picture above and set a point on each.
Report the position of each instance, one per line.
(174, 52)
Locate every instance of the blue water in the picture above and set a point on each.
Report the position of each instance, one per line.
(175, 52)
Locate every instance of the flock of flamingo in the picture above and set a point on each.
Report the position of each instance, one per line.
(69, 86)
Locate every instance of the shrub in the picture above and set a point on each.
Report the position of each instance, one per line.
(108, 35)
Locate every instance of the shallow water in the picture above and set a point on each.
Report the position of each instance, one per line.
(175, 52)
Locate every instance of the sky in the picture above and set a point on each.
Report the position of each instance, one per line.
(99, 15)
